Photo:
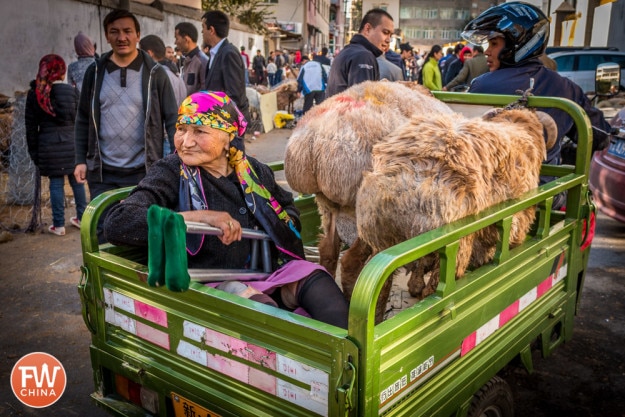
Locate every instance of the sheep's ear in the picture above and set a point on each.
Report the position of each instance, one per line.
(549, 127)
(491, 113)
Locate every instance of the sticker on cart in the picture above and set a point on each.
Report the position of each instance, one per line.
(192, 352)
(301, 372)
(123, 302)
(301, 397)
(193, 331)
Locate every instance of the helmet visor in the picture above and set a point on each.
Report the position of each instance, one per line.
(480, 37)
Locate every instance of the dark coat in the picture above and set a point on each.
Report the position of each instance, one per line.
(452, 68)
(357, 62)
(547, 83)
(51, 139)
(227, 74)
(126, 223)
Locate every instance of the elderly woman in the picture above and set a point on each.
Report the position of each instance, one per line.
(210, 180)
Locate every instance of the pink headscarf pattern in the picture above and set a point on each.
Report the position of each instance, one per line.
(51, 68)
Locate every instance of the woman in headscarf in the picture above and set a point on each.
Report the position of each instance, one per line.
(85, 50)
(210, 180)
(456, 66)
(49, 119)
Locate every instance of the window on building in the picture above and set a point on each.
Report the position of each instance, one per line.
(463, 14)
(449, 33)
(429, 33)
(430, 14)
(411, 12)
(413, 32)
(447, 13)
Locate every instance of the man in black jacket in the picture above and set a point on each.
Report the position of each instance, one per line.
(357, 61)
(225, 68)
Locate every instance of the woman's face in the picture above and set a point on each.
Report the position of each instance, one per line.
(438, 55)
(199, 145)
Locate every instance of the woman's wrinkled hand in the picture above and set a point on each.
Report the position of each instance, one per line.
(230, 228)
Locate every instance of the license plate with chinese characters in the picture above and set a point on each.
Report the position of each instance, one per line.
(617, 148)
(187, 408)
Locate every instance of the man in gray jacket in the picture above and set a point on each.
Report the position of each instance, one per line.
(125, 100)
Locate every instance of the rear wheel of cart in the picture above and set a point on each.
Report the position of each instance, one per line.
(494, 399)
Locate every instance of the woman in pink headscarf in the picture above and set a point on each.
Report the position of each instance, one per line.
(85, 50)
(49, 119)
(456, 66)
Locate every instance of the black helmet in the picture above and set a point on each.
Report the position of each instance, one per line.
(524, 27)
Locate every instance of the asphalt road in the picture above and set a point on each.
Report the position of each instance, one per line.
(40, 311)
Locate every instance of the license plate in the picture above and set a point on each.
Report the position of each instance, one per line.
(187, 408)
(617, 148)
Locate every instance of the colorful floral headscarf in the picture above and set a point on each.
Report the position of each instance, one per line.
(215, 109)
(51, 68)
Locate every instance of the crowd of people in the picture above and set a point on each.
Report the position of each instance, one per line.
(171, 121)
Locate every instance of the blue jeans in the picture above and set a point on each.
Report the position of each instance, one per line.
(57, 198)
(112, 178)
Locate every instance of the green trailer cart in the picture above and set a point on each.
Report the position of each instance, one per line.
(205, 352)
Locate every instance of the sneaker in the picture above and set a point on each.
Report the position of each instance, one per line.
(59, 231)
(75, 222)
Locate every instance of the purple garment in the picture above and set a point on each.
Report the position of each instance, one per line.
(293, 271)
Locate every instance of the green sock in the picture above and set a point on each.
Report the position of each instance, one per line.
(156, 246)
(176, 266)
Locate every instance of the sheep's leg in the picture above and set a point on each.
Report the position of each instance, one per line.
(380, 308)
(352, 262)
(418, 271)
(329, 243)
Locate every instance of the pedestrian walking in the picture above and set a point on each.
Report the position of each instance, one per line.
(311, 82)
(85, 50)
(49, 121)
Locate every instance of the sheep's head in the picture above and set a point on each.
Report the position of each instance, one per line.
(550, 129)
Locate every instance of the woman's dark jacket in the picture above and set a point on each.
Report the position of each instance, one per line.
(126, 223)
(51, 139)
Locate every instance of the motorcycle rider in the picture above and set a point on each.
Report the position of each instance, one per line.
(517, 35)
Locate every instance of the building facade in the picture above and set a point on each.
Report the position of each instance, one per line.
(424, 23)
(301, 25)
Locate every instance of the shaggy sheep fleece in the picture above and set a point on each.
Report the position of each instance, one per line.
(437, 169)
(331, 145)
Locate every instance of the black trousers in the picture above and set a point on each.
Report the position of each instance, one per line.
(316, 96)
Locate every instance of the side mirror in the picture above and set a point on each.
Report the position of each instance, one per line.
(607, 79)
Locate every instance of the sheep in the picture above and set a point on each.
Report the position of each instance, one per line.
(330, 148)
(436, 169)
